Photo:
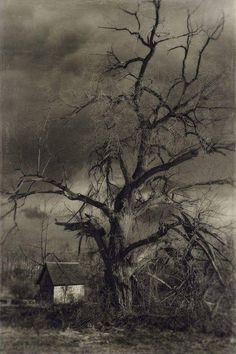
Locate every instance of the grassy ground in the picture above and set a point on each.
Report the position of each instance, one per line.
(67, 330)
(113, 341)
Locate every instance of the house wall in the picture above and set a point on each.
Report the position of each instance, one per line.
(68, 294)
(46, 288)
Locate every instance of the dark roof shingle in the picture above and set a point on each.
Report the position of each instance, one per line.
(63, 273)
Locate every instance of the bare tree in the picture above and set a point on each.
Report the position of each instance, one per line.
(136, 171)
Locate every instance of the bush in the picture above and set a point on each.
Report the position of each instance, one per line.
(76, 316)
(186, 293)
(22, 289)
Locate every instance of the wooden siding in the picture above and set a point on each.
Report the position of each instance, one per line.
(68, 294)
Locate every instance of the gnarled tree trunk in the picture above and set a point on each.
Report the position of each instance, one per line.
(118, 287)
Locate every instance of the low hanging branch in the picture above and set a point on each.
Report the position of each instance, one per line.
(62, 190)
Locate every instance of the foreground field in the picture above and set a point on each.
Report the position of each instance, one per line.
(114, 341)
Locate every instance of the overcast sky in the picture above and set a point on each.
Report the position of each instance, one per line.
(54, 49)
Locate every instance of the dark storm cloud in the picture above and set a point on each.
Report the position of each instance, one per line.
(45, 47)
(54, 48)
(38, 43)
(34, 213)
(50, 49)
(68, 145)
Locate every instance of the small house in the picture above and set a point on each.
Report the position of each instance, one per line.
(61, 283)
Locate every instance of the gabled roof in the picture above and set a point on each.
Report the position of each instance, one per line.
(63, 273)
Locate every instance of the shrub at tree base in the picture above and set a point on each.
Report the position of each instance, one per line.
(22, 289)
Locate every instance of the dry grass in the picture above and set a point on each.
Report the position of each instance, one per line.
(112, 341)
